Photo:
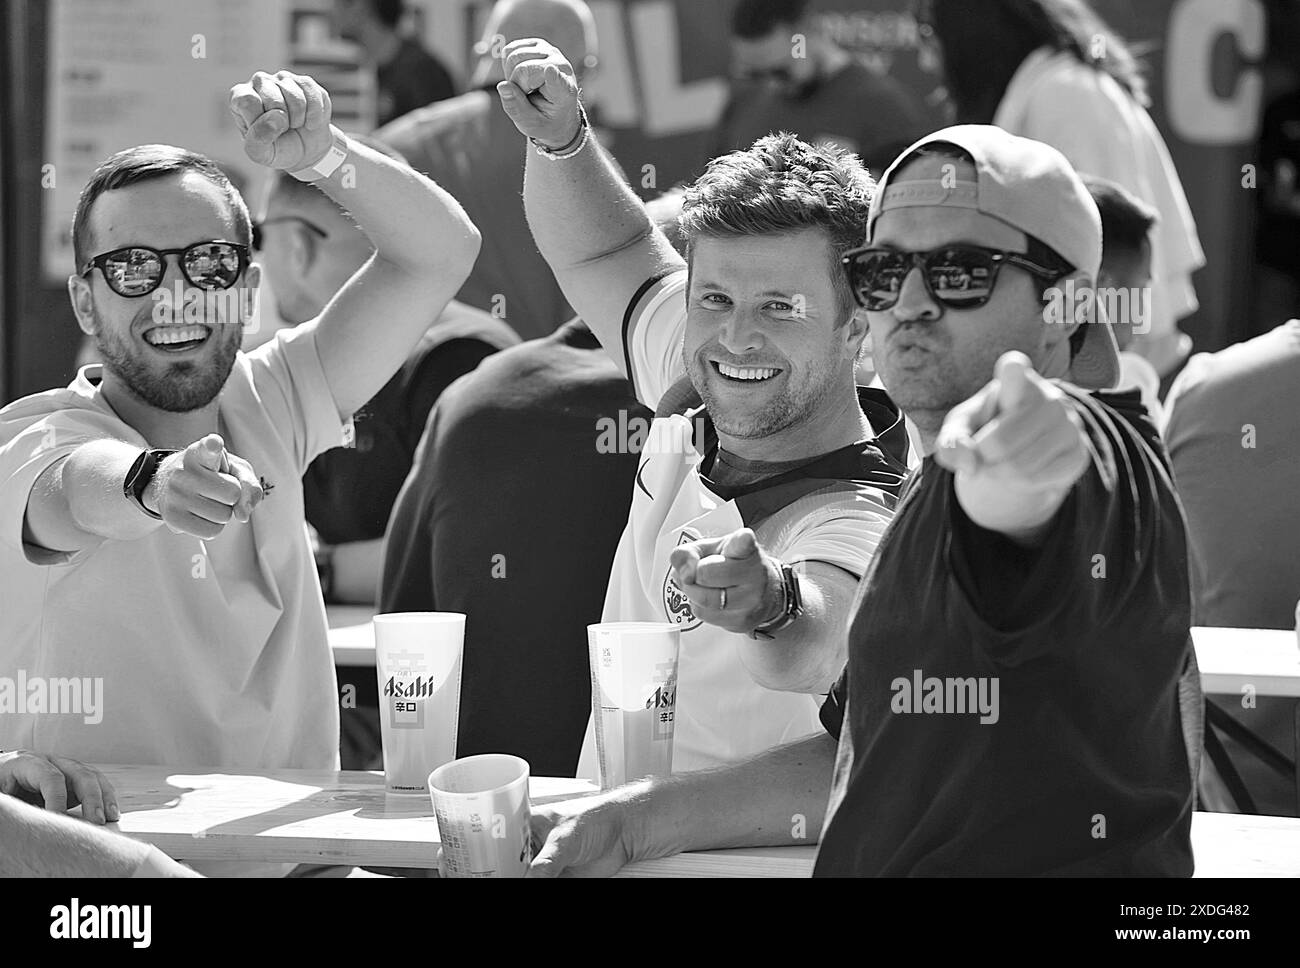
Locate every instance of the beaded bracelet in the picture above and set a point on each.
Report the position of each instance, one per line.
(575, 145)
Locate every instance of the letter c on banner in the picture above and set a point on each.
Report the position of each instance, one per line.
(1198, 114)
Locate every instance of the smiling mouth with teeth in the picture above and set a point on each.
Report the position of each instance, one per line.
(175, 338)
(746, 374)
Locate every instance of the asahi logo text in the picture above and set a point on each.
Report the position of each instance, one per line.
(421, 687)
(953, 695)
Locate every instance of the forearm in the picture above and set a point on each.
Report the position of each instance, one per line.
(595, 234)
(79, 499)
(777, 798)
(414, 224)
(357, 566)
(809, 654)
(581, 209)
(38, 843)
(425, 249)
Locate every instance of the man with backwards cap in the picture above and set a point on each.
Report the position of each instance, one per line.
(1010, 703)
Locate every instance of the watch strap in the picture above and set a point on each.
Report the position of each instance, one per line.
(791, 609)
(141, 475)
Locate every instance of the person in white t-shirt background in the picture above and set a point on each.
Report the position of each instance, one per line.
(763, 487)
(134, 542)
(1054, 71)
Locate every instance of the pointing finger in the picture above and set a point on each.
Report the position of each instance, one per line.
(685, 560)
(955, 446)
(740, 544)
(1015, 376)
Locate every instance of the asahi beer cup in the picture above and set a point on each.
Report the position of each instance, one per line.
(418, 660)
(633, 698)
(481, 803)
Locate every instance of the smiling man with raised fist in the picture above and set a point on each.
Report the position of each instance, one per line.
(151, 513)
(1011, 703)
(765, 481)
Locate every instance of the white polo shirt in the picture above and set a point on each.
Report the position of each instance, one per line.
(832, 510)
(209, 654)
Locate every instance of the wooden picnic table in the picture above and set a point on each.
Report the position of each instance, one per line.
(321, 817)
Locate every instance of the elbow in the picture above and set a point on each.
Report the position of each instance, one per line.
(786, 673)
(809, 666)
(466, 253)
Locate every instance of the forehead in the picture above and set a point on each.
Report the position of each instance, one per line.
(783, 262)
(168, 212)
(929, 226)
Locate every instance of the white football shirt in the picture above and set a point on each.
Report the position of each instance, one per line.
(831, 510)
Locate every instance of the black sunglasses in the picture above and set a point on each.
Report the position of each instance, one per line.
(957, 276)
(306, 223)
(137, 270)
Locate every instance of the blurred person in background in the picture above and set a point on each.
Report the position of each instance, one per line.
(470, 146)
(309, 246)
(1052, 70)
(1232, 431)
(790, 75)
(408, 75)
(1125, 277)
(1277, 230)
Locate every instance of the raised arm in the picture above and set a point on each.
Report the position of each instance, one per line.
(425, 244)
(588, 223)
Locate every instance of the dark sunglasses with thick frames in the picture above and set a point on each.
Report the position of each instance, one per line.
(137, 270)
(956, 276)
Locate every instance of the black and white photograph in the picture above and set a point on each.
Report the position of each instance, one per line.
(660, 440)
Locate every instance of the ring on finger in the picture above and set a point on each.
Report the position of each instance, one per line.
(723, 596)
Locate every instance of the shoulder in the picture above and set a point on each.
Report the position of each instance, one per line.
(1268, 364)
(428, 123)
(71, 407)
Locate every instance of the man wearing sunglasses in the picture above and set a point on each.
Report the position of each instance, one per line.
(1011, 699)
(151, 514)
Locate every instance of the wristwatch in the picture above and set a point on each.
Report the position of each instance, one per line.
(139, 476)
(791, 609)
(328, 164)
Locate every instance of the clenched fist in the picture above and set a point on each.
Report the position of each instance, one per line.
(1017, 447)
(284, 118)
(731, 581)
(540, 92)
(202, 488)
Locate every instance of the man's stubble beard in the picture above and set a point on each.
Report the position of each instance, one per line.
(785, 411)
(183, 386)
